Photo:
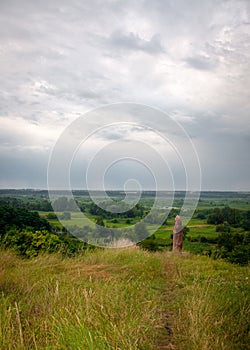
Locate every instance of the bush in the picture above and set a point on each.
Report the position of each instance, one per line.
(234, 247)
(149, 244)
(29, 244)
(203, 239)
(66, 216)
(141, 231)
(225, 227)
(52, 216)
(240, 255)
(21, 218)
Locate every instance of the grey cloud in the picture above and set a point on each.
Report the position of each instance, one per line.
(59, 59)
(201, 62)
(79, 90)
(23, 168)
(118, 132)
(132, 41)
(225, 164)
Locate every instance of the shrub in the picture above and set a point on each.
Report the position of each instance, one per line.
(225, 227)
(240, 255)
(51, 216)
(66, 216)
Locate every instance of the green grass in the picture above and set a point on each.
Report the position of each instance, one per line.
(123, 299)
(103, 300)
(195, 221)
(206, 231)
(237, 203)
(198, 248)
(122, 222)
(76, 219)
(212, 305)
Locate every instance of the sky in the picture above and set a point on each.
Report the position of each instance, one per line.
(187, 59)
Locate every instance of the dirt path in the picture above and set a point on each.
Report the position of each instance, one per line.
(170, 271)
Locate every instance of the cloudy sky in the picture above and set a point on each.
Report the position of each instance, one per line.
(187, 58)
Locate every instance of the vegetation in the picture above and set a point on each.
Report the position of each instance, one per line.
(57, 292)
(123, 299)
(21, 218)
(211, 304)
(100, 300)
(28, 234)
(206, 234)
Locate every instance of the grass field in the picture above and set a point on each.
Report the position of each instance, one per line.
(205, 231)
(212, 305)
(121, 300)
(237, 203)
(76, 219)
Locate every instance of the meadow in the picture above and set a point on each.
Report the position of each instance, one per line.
(123, 299)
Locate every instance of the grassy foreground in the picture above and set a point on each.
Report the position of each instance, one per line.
(122, 299)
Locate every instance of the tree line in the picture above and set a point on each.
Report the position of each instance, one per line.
(28, 234)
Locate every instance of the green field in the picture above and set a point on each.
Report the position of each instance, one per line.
(211, 202)
(206, 231)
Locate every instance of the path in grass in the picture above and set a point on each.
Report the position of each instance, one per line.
(168, 296)
(207, 303)
(123, 299)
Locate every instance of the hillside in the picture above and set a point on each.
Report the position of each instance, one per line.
(123, 299)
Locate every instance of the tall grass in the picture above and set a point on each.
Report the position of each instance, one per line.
(123, 299)
(102, 300)
(211, 305)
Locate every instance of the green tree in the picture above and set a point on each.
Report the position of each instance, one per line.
(66, 216)
(141, 231)
(21, 218)
(61, 204)
(51, 216)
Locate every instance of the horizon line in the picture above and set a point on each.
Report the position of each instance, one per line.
(119, 190)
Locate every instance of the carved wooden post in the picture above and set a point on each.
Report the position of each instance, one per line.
(178, 234)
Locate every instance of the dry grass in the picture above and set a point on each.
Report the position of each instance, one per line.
(211, 305)
(103, 300)
(123, 299)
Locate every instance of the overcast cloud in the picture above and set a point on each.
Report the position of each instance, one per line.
(60, 59)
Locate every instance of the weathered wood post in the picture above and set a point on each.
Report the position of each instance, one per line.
(178, 234)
